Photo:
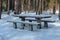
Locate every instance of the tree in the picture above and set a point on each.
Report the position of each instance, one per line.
(47, 3)
(41, 6)
(59, 9)
(17, 6)
(44, 4)
(54, 6)
(8, 7)
(4, 5)
(28, 6)
(0, 8)
(12, 5)
(36, 9)
(22, 5)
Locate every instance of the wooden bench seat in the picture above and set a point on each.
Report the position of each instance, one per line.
(43, 20)
(46, 22)
(24, 22)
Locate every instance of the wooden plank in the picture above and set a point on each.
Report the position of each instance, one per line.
(32, 16)
(24, 22)
(41, 20)
(48, 20)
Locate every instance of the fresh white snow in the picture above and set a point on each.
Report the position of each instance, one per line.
(7, 31)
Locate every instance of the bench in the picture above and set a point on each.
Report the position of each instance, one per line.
(46, 22)
(25, 22)
(43, 20)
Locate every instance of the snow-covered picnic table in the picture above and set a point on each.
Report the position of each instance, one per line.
(37, 17)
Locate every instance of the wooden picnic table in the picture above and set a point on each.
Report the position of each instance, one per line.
(37, 17)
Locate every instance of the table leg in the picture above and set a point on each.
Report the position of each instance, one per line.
(39, 21)
(46, 24)
(15, 25)
(39, 26)
(31, 27)
(23, 19)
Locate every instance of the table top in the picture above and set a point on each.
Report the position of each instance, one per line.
(33, 16)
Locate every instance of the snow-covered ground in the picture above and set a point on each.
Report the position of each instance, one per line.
(7, 31)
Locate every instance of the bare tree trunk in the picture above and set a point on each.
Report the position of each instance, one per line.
(6, 4)
(16, 6)
(0, 8)
(59, 9)
(41, 6)
(22, 5)
(28, 6)
(44, 4)
(19, 3)
(38, 7)
(13, 5)
(32, 5)
(54, 6)
(8, 7)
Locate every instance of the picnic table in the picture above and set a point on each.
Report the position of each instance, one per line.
(37, 17)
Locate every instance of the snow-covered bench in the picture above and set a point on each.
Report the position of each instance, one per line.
(25, 22)
(43, 20)
(46, 22)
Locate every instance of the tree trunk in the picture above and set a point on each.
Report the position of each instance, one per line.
(38, 7)
(22, 5)
(28, 6)
(41, 6)
(54, 7)
(0, 8)
(13, 5)
(59, 9)
(8, 7)
(44, 4)
(16, 7)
